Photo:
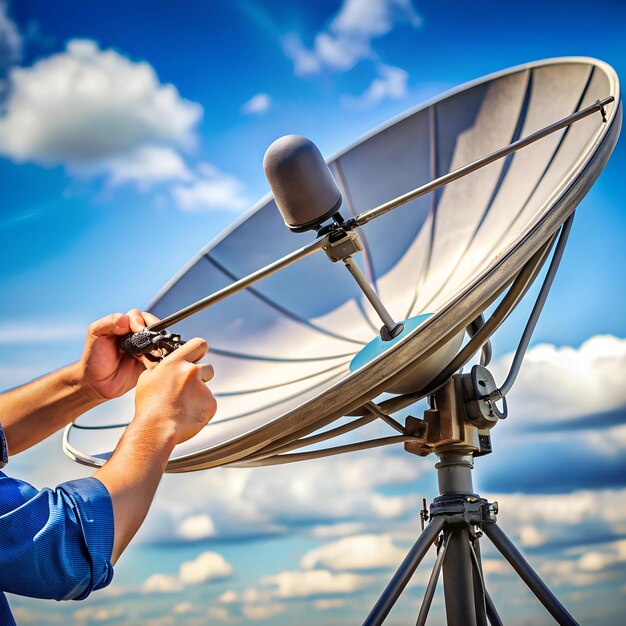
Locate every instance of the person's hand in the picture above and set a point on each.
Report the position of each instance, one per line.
(106, 372)
(173, 396)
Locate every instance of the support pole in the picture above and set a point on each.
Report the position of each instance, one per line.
(458, 581)
(404, 573)
(508, 550)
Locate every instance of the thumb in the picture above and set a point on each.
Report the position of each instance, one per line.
(192, 351)
(114, 324)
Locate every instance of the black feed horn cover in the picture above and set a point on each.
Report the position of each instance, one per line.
(305, 192)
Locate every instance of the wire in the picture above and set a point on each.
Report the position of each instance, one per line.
(534, 316)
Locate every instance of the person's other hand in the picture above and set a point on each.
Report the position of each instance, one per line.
(106, 371)
(173, 396)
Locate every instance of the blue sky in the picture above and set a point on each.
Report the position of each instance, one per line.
(94, 221)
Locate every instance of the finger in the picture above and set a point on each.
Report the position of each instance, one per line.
(137, 322)
(149, 318)
(191, 351)
(114, 324)
(206, 372)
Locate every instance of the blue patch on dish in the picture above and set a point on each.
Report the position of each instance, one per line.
(377, 346)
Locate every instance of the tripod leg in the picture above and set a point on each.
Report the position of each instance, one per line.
(458, 582)
(492, 614)
(405, 571)
(508, 550)
(479, 584)
(432, 582)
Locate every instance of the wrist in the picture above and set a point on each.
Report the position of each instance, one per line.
(74, 378)
(158, 436)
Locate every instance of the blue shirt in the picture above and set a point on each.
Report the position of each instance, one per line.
(54, 543)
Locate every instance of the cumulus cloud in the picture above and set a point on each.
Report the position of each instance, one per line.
(257, 104)
(98, 615)
(99, 114)
(348, 37)
(94, 110)
(572, 519)
(262, 611)
(569, 406)
(145, 166)
(327, 605)
(391, 83)
(558, 383)
(206, 567)
(348, 40)
(196, 527)
(269, 501)
(319, 582)
(600, 564)
(211, 189)
(161, 583)
(361, 552)
(337, 530)
(183, 608)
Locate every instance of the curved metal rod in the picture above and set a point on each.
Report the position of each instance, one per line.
(534, 316)
(432, 581)
(473, 327)
(275, 450)
(516, 292)
(280, 459)
(367, 216)
(239, 285)
(518, 289)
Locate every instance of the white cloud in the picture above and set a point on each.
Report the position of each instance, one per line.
(571, 518)
(145, 166)
(603, 563)
(348, 37)
(196, 527)
(96, 614)
(531, 536)
(10, 40)
(220, 613)
(262, 611)
(348, 40)
(371, 18)
(161, 583)
(337, 530)
(391, 83)
(97, 112)
(228, 597)
(211, 189)
(557, 383)
(207, 566)
(362, 552)
(183, 608)
(327, 605)
(257, 104)
(313, 583)
(304, 61)
(268, 501)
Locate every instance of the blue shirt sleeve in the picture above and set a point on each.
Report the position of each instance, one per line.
(55, 543)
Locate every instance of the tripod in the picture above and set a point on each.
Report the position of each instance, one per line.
(458, 519)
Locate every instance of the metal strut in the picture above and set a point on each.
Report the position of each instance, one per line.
(462, 518)
(363, 218)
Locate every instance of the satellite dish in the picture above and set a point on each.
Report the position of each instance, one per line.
(282, 348)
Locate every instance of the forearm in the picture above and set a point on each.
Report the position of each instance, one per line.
(132, 475)
(34, 411)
